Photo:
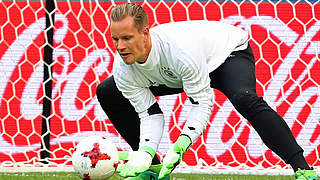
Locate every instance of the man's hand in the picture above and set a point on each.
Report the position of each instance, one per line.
(138, 162)
(174, 155)
(172, 159)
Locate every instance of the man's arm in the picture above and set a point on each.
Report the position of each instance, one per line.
(148, 109)
(196, 83)
(151, 124)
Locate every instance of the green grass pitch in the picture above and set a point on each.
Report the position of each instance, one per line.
(73, 176)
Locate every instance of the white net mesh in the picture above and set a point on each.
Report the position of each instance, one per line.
(285, 38)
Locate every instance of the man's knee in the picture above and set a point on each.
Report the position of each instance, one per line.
(248, 104)
(106, 89)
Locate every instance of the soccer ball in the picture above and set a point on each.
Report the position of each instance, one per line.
(95, 158)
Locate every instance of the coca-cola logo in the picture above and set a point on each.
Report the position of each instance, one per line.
(286, 67)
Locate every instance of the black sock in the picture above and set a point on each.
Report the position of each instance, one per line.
(298, 161)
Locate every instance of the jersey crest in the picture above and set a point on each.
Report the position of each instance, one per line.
(166, 72)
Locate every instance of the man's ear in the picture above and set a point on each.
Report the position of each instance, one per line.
(146, 32)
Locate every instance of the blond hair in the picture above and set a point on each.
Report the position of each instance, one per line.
(121, 11)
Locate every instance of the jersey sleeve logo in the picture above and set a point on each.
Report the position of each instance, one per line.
(166, 72)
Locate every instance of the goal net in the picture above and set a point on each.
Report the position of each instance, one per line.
(284, 35)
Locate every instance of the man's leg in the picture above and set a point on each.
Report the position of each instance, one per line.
(236, 79)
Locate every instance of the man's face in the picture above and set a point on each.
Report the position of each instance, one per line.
(129, 42)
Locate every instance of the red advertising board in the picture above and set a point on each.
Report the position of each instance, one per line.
(285, 38)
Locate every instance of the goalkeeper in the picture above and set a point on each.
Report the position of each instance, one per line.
(191, 57)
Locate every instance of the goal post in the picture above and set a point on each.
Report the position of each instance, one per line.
(285, 38)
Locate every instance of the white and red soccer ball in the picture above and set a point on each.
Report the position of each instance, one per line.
(95, 158)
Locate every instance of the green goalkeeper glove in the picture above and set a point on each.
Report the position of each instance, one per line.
(123, 155)
(138, 162)
(174, 155)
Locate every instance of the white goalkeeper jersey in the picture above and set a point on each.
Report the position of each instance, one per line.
(182, 56)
